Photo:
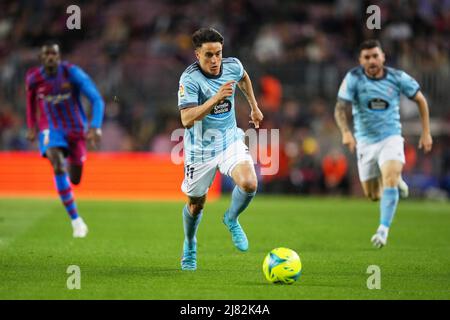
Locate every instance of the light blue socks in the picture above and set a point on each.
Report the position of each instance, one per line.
(239, 201)
(190, 224)
(388, 205)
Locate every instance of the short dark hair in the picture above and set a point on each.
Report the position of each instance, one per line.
(369, 44)
(51, 43)
(204, 35)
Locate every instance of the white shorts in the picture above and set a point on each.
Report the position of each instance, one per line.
(199, 176)
(372, 156)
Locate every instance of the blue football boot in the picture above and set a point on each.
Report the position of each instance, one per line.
(189, 259)
(237, 233)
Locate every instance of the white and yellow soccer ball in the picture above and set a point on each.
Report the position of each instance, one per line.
(282, 265)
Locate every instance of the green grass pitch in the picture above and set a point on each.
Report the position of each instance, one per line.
(133, 250)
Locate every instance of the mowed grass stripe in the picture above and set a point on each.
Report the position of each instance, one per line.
(133, 250)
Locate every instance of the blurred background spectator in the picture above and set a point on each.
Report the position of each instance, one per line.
(296, 53)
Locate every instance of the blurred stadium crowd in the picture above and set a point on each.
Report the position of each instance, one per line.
(296, 53)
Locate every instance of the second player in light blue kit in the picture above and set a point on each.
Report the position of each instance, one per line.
(373, 91)
(212, 140)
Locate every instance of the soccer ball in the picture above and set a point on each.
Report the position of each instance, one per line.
(282, 265)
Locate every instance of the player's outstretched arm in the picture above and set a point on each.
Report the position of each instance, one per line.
(425, 141)
(340, 115)
(247, 89)
(190, 115)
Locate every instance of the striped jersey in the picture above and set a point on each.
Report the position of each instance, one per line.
(57, 98)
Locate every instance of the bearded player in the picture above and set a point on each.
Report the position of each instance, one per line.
(373, 91)
(56, 115)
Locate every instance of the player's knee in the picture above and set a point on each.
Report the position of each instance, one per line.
(58, 168)
(249, 185)
(57, 162)
(75, 180)
(196, 205)
(195, 209)
(391, 181)
(374, 196)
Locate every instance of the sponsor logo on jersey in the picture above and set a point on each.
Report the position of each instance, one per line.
(222, 108)
(378, 104)
(55, 98)
(66, 86)
(181, 91)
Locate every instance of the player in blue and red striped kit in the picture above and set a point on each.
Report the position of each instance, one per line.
(53, 90)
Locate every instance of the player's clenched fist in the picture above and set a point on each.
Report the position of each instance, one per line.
(425, 142)
(349, 141)
(256, 116)
(31, 134)
(93, 136)
(225, 91)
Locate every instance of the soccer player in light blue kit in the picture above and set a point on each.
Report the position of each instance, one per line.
(212, 139)
(373, 91)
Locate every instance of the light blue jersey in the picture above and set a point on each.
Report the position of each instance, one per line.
(375, 102)
(215, 132)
